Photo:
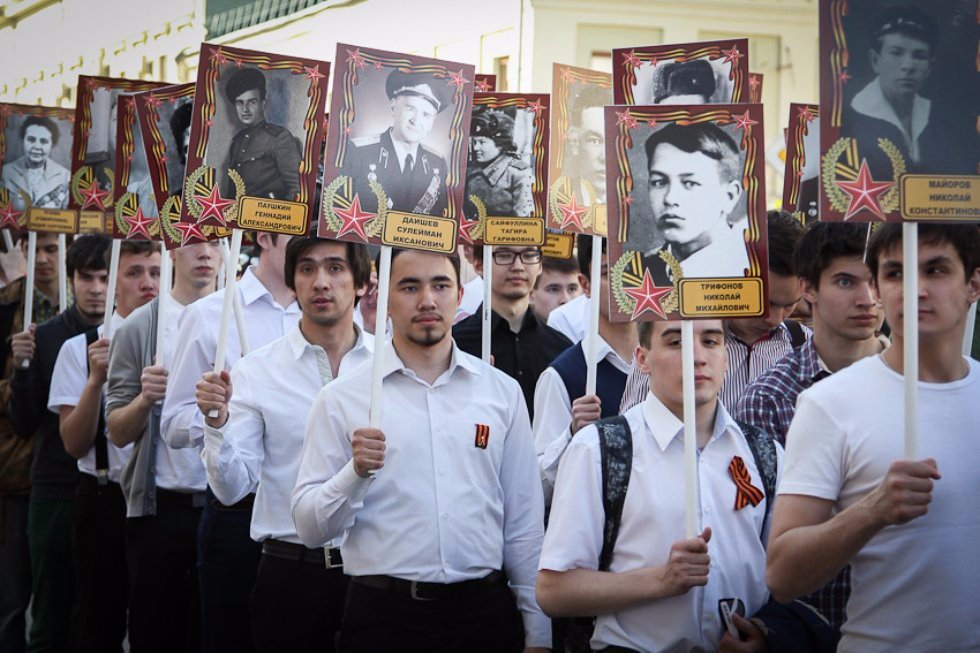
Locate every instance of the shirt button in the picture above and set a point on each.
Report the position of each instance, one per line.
(445, 515)
(442, 472)
(707, 510)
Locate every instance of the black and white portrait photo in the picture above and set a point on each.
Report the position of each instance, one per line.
(131, 161)
(585, 147)
(37, 159)
(695, 81)
(100, 147)
(400, 139)
(500, 169)
(912, 80)
(175, 127)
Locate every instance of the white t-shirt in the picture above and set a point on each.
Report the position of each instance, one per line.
(571, 318)
(914, 587)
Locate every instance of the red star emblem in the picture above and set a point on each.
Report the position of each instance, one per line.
(482, 86)
(355, 56)
(572, 213)
(218, 57)
(652, 122)
(93, 196)
(89, 83)
(238, 63)
(213, 206)
(629, 200)
(743, 122)
(864, 192)
(567, 75)
(625, 117)
(377, 65)
(152, 101)
(754, 82)
(805, 113)
(647, 297)
(139, 225)
(354, 219)
(732, 56)
(313, 73)
(209, 122)
(631, 58)
(457, 79)
(465, 227)
(537, 107)
(844, 77)
(8, 217)
(189, 230)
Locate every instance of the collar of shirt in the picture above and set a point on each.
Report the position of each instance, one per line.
(781, 332)
(871, 102)
(402, 150)
(299, 345)
(530, 320)
(811, 365)
(253, 290)
(665, 426)
(605, 351)
(393, 363)
(727, 247)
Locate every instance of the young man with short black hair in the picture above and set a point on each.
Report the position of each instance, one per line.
(559, 283)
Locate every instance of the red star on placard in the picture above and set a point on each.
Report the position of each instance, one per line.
(628, 200)
(537, 107)
(631, 58)
(89, 83)
(457, 79)
(209, 122)
(212, 206)
(647, 297)
(139, 224)
(93, 196)
(189, 230)
(805, 113)
(652, 122)
(152, 101)
(8, 217)
(732, 56)
(567, 75)
(844, 77)
(355, 56)
(313, 73)
(625, 117)
(572, 213)
(743, 122)
(465, 227)
(218, 57)
(481, 85)
(377, 65)
(238, 63)
(754, 82)
(864, 192)
(354, 219)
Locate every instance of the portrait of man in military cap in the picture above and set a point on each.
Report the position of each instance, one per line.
(265, 155)
(408, 168)
(499, 172)
(693, 81)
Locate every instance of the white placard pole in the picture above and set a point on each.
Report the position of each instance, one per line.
(592, 336)
(225, 256)
(487, 301)
(163, 297)
(690, 432)
(380, 343)
(62, 273)
(971, 325)
(236, 306)
(8, 240)
(29, 285)
(910, 333)
(227, 308)
(110, 291)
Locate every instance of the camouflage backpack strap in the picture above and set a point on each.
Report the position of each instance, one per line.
(763, 449)
(616, 451)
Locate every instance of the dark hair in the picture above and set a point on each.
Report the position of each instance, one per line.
(180, 122)
(824, 242)
(965, 239)
(87, 252)
(784, 233)
(584, 254)
(42, 121)
(590, 97)
(707, 138)
(453, 259)
(560, 265)
(910, 21)
(134, 248)
(644, 332)
(255, 242)
(358, 260)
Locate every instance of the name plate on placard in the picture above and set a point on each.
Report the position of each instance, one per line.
(721, 298)
(514, 231)
(61, 221)
(558, 245)
(276, 216)
(940, 198)
(91, 222)
(600, 223)
(429, 233)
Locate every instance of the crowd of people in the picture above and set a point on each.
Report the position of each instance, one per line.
(273, 506)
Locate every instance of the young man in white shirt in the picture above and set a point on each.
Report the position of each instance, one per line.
(163, 487)
(661, 591)
(559, 283)
(257, 436)
(78, 397)
(227, 557)
(441, 505)
(907, 527)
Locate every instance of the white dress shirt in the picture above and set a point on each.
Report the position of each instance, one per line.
(472, 299)
(181, 423)
(553, 416)
(259, 445)
(653, 519)
(571, 318)
(67, 384)
(726, 254)
(442, 509)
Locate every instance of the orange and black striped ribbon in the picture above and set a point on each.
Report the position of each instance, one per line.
(747, 493)
(482, 436)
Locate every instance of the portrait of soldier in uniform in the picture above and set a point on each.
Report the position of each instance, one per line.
(266, 155)
(496, 172)
(411, 174)
(34, 172)
(100, 152)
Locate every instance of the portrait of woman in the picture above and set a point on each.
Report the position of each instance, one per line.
(35, 173)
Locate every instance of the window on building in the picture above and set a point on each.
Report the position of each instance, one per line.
(500, 67)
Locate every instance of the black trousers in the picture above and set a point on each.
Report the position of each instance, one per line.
(164, 606)
(486, 621)
(15, 573)
(296, 606)
(99, 560)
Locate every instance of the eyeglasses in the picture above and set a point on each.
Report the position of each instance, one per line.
(528, 257)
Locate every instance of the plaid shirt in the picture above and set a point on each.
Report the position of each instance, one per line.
(769, 403)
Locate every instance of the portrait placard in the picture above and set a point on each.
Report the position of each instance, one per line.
(396, 150)
(686, 211)
(94, 148)
(255, 133)
(135, 214)
(755, 88)
(507, 171)
(485, 83)
(801, 181)
(577, 171)
(900, 96)
(35, 163)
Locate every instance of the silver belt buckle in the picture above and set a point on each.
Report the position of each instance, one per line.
(414, 592)
(328, 563)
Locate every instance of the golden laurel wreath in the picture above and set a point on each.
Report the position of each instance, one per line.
(374, 226)
(839, 200)
(5, 201)
(125, 207)
(670, 303)
(84, 172)
(196, 177)
(481, 212)
(562, 189)
(170, 213)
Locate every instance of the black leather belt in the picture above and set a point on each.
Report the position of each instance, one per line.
(429, 591)
(243, 505)
(174, 499)
(298, 553)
